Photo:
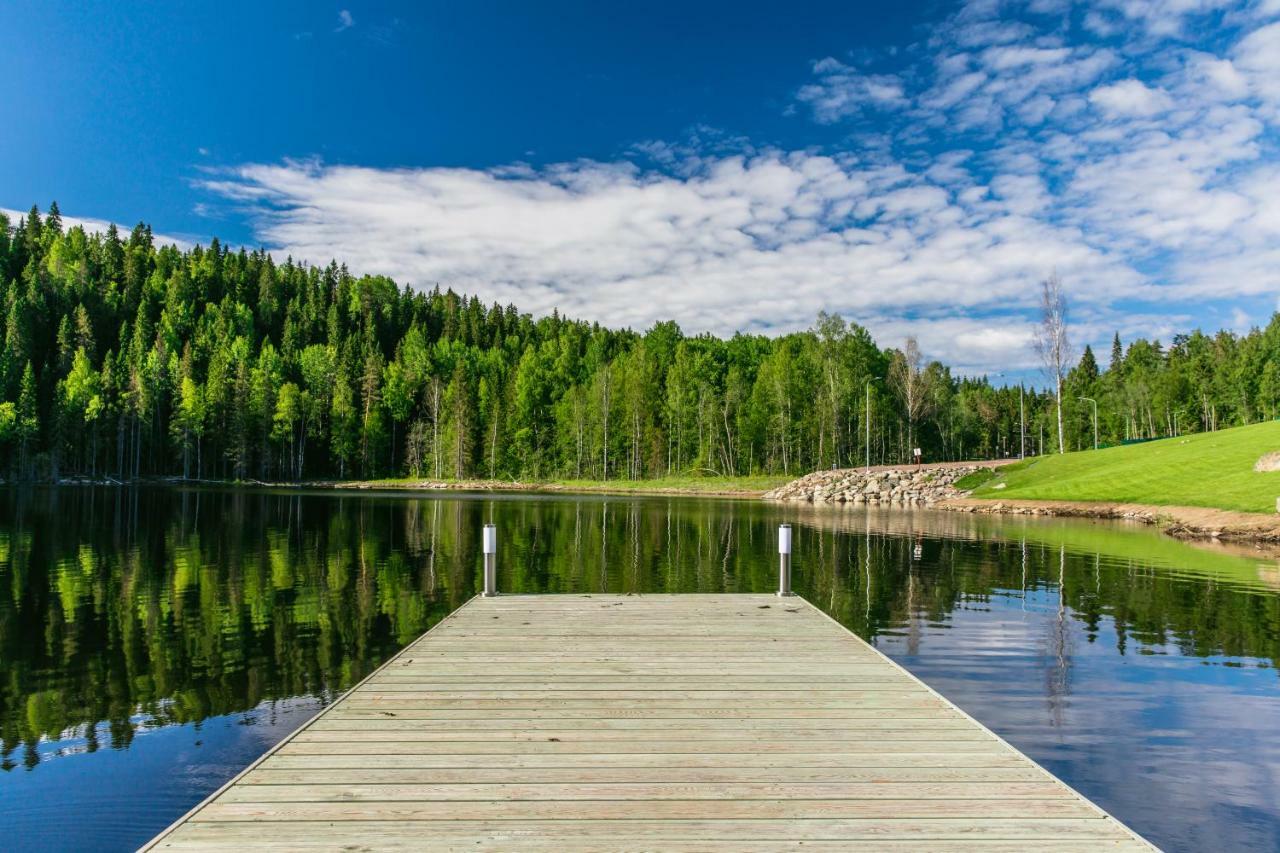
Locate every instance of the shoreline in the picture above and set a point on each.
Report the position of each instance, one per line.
(712, 487)
(621, 487)
(1181, 522)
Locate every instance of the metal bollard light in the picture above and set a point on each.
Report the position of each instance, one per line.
(490, 561)
(784, 560)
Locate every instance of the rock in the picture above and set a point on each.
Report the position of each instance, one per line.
(901, 486)
(1268, 462)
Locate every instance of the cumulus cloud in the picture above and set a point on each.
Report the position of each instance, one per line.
(1130, 98)
(1156, 18)
(842, 91)
(1258, 56)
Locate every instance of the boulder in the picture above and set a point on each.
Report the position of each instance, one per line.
(1268, 462)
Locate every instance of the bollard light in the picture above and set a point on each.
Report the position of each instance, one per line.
(490, 560)
(784, 560)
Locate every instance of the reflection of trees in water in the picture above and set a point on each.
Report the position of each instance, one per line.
(1059, 640)
(1203, 602)
(170, 607)
(174, 606)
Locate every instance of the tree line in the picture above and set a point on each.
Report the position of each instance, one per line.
(127, 359)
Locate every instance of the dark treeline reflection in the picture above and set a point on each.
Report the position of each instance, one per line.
(130, 608)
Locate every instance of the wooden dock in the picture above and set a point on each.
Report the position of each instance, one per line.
(658, 722)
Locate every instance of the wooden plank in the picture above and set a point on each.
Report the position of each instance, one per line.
(711, 722)
(605, 810)
(944, 730)
(253, 791)
(898, 707)
(890, 701)
(274, 773)
(290, 756)
(300, 744)
(598, 729)
(1023, 833)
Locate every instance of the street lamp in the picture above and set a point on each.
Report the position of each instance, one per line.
(1095, 419)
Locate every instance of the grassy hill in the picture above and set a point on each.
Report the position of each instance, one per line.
(1212, 469)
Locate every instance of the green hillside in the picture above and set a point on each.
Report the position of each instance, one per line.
(1212, 469)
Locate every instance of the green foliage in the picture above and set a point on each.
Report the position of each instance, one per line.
(8, 423)
(128, 360)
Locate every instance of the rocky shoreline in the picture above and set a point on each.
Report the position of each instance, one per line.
(934, 486)
(906, 485)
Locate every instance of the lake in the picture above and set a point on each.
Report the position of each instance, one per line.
(154, 641)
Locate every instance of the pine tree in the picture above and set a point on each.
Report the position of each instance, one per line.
(28, 419)
(1087, 372)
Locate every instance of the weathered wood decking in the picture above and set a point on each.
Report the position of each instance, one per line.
(710, 722)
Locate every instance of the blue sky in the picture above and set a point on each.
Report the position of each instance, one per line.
(727, 165)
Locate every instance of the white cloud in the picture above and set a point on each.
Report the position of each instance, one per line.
(1258, 57)
(1130, 98)
(345, 21)
(1219, 77)
(1158, 18)
(759, 244)
(843, 91)
(100, 226)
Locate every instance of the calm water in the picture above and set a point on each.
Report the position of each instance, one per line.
(154, 641)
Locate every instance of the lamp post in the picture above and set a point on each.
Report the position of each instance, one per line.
(490, 561)
(784, 560)
(1095, 419)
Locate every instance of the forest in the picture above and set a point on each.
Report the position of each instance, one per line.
(125, 359)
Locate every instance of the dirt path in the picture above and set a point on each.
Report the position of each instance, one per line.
(1180, 521)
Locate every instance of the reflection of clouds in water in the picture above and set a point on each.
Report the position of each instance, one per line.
(1185, 749)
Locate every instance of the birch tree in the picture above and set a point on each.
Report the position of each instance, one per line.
(1052, 343)
(912, 383)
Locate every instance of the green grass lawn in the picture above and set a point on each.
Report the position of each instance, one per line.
(1213, 469)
